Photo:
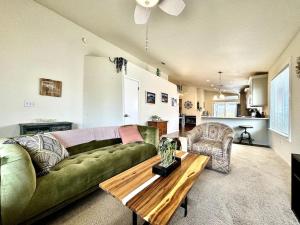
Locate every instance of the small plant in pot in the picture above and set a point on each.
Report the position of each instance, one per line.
(155, 118)
(167, 149)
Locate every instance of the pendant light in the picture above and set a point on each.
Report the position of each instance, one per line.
(219, 96)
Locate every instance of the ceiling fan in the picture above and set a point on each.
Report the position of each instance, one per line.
(143, 8)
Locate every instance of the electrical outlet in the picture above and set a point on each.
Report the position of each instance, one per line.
(28, 104)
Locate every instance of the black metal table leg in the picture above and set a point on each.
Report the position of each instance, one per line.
(185, 206)
(134, 218)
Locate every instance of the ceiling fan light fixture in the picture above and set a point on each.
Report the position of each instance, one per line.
(147, 3)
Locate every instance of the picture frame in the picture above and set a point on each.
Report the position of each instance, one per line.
(150, 97)
(164, 98)
(50, 87)
(174, 102)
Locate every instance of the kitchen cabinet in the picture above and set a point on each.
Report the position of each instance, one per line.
(258, 91)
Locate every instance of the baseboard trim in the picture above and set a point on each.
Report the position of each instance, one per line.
(256, 145)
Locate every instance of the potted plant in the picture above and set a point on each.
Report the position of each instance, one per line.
(167, 148)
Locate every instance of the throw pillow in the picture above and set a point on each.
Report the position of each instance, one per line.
(130, 134)
(44, 149)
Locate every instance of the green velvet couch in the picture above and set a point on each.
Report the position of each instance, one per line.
(26, 198)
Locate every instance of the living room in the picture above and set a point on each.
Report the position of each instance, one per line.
(82, 70)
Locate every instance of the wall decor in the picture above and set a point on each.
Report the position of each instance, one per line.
(50, 87)
(188, 105)
(119, 62)
(298, 67)
(158, 72)
(150, 97)
(164, 98)
(174, 102)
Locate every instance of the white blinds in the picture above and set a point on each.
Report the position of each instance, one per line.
(280, 107)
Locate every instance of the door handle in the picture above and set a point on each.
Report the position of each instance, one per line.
(126, 115)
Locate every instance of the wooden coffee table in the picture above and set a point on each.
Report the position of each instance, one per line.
(155, 198)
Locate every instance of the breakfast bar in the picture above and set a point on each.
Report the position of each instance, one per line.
(259, 132)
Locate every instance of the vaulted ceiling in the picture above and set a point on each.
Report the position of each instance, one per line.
(238, 37)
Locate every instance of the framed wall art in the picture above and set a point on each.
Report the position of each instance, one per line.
(164, 98)
(150, 97)
(50, 87)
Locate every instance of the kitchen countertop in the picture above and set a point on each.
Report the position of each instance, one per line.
(239, 118)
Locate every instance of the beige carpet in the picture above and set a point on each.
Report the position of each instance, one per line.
(257, 191)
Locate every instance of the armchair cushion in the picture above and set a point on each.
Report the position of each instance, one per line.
(208, 147)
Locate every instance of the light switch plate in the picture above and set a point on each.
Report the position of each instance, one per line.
(28, 103)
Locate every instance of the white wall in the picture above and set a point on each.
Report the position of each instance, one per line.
(280, 144)
(102, 93)
(103, 102)
(152, 83)
(38, 43)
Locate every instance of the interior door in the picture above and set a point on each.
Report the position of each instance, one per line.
(131, 101)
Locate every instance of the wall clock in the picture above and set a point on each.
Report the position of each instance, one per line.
(188, 105)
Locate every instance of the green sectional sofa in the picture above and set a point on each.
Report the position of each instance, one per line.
(26, 198)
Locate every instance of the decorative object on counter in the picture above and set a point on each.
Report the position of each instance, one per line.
(51, 88)
(249, 138)
(205, 113)
(298, 67)
(158, 72)
(220, 96)
(168, 163)
(150, 97)
(155, 118)
(174, 102)
(119, 62)
(188, 105)
(164, 98)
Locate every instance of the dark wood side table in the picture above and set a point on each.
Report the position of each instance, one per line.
(34, 128)
(296, 185)
(161, 125)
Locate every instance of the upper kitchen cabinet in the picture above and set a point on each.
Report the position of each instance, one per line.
(258, 90)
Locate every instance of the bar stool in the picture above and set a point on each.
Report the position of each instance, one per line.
(249, 138)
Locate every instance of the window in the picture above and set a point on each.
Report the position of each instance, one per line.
(280, 103)
(225, 109)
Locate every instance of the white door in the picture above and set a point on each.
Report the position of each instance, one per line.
(131, 101)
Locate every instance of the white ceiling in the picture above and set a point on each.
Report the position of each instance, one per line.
(239, 37)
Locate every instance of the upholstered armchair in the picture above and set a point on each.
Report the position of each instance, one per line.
(214, 140)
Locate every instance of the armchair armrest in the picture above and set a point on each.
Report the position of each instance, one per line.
(227, 141)
(192, 136)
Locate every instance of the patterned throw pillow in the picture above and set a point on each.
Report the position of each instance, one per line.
(44, 149)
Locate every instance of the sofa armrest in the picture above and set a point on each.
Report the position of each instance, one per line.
(192, 136)
(18, 182)
(150, 135)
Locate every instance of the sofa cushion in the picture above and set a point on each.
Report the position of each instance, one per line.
(44, 149)
(208, 147)
(80, 172)
(130, 134)
(85, 147)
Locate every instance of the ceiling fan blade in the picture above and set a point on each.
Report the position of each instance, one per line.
(141, 14)
(172, 7)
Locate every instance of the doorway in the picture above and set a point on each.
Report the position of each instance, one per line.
(131, 101)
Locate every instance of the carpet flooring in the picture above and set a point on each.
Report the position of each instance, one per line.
(257, 191)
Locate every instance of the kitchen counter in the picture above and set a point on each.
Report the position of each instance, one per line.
(240, 118)
(259, 131)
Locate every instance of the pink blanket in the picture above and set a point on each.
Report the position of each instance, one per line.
(71, 138)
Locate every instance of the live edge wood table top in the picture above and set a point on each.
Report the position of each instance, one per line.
(150, 196)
